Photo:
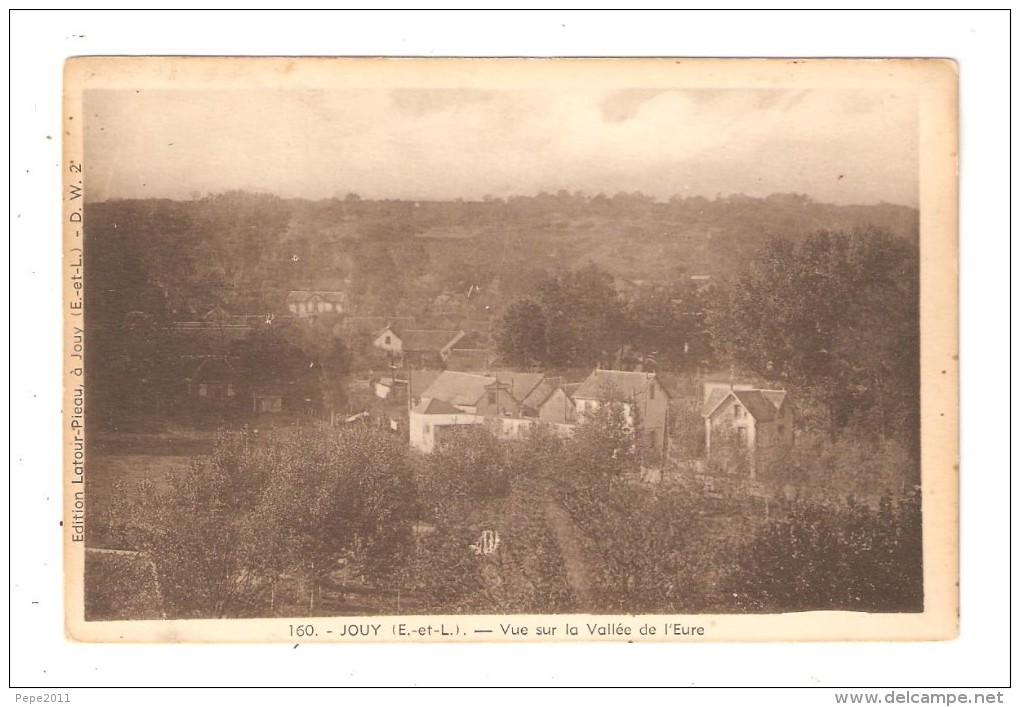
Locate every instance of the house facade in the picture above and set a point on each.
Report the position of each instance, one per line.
(451, 399)
(759, 418)
(639, 392)
(214, 379)
(548, 402)
(388, 340)
(459, 398)
(310, 303)
(428, 348)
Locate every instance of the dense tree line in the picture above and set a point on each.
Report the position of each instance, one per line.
(835, 318)
(138, 372)
(245, 251)
(574, 318)
(578, 318)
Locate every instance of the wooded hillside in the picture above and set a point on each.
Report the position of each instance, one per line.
(244, 251)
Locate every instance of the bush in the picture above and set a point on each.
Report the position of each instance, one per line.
(819, 557)
(225, 532)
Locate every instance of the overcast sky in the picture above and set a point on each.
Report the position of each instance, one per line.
(836, 146)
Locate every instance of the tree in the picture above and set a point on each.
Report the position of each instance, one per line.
(350, 499)
(836, 316)
(468, 463)
(223, 535)
(521, 334)
(833, 556)
(585, 320)
(667, 322)
(475, 484)
(575, 318)
(604, 446)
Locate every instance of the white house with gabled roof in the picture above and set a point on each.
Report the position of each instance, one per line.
(760, 418)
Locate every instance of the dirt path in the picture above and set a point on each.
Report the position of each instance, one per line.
(569, 542)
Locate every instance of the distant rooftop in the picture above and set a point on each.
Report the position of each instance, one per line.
(629, 384)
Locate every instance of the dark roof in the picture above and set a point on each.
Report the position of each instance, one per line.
(776, 397)
(470, 341)
(214, 368)
(428, 339)
(678, 386)
(540, 394)
(468, 360)
(570, 388)
(521, 384)
(760, 407)
(761, 404)
(713, 397)
(628, 384)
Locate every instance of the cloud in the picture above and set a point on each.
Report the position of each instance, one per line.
(439, 143)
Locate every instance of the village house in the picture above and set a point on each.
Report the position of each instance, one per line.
(549, 402)
(458, 398)
(310, 303)
(469, 354)
(638, 391)
(213, 379)
(759, 418)
(211, 333)
(387, 339)
(420, 348)
(451, 399)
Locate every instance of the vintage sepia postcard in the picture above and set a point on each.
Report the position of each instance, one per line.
(510, 349)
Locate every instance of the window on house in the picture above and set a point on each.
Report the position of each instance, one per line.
(492, 397)
(203, 390)
(651, 392)
(387, 340)
(742, 435)
(782, 430)
(736, 411)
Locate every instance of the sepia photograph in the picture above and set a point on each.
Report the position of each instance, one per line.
(481, 349)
